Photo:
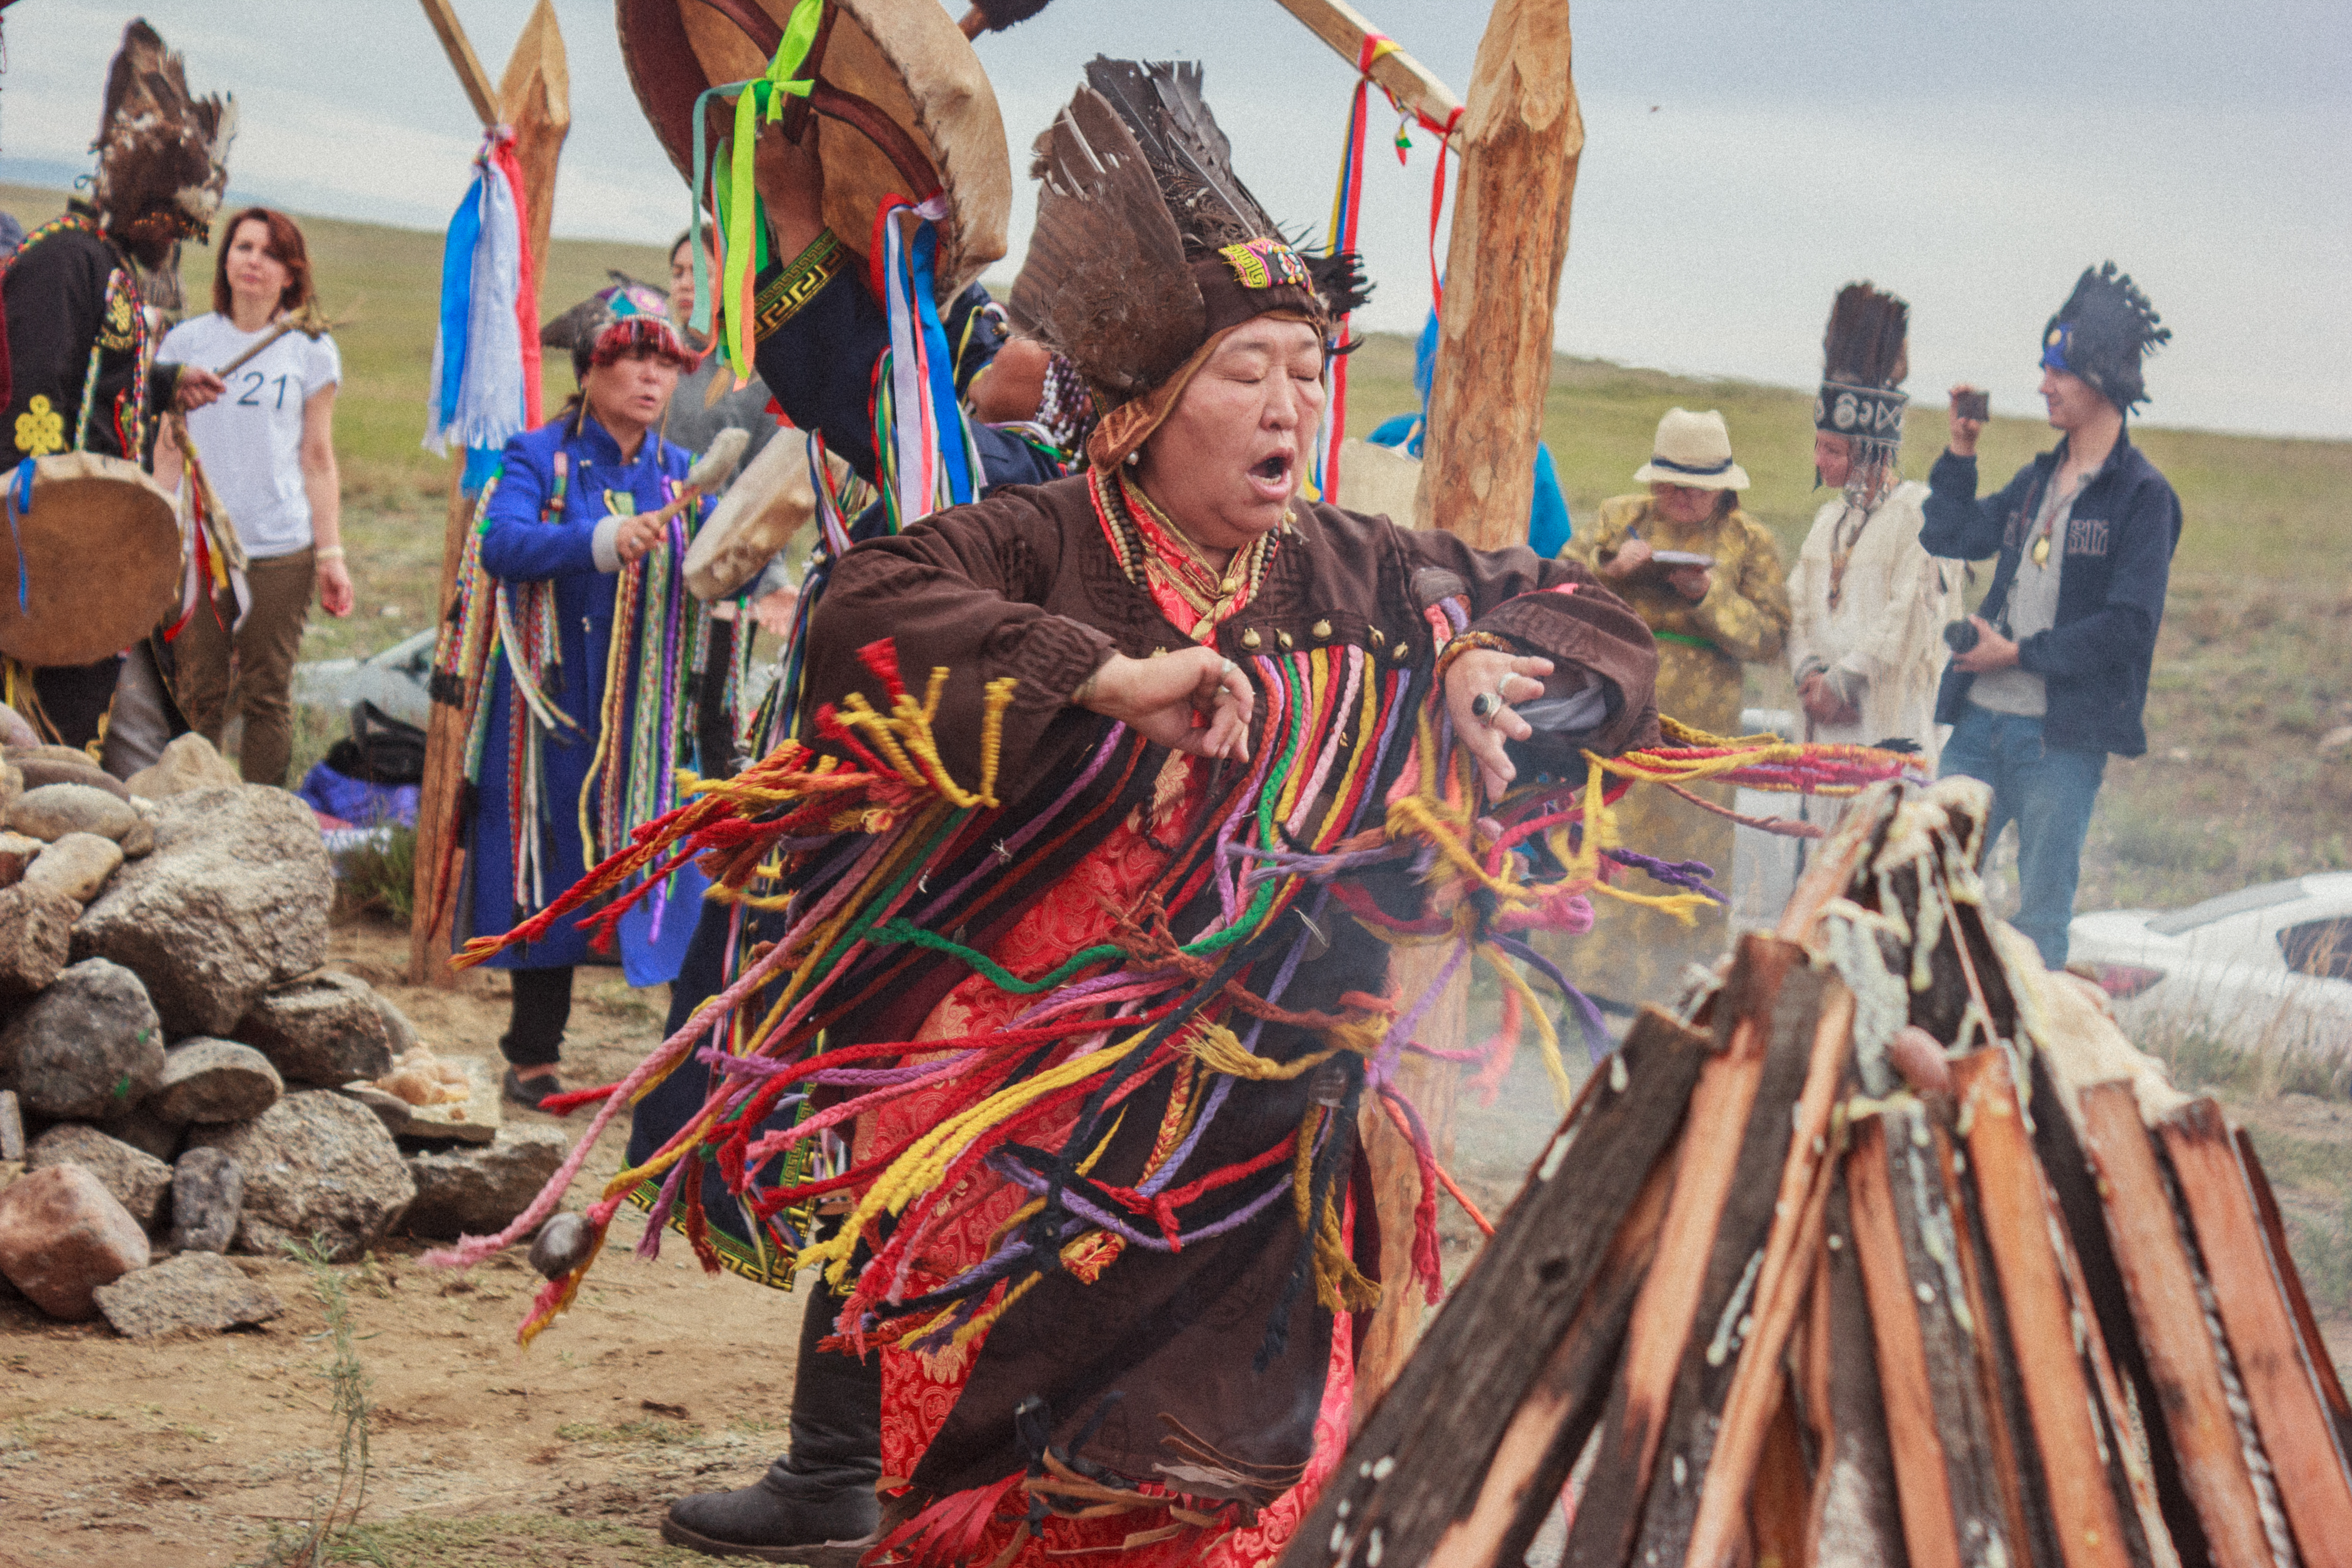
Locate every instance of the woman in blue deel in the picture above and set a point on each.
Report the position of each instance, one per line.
(590, 706)
(1548, 522)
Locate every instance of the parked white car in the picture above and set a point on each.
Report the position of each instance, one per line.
(2267, 967)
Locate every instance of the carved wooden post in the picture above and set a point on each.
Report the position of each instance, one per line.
(535, 98)
(1519, 141)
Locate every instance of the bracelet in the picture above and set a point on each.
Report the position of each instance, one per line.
(332, 552)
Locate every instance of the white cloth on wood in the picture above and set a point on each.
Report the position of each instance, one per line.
(1886, 632)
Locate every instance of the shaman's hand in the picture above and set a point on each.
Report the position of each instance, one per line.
(1480, 688)
(1194, 700)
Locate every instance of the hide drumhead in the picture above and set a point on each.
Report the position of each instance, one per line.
(97, 555)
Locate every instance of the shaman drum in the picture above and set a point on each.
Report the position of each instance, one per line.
(92, 560)
(903, 109)
(768, 503)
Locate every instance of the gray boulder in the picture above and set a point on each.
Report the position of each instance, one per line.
(208, 1197)
(188, 764)
(88, 1048)
(194, 1290)
(52, 811)
(137, 1180)
(35, 936)
(76, 866)
(232, 901)
(474, 1190)
(215, 1080)
(17, 852)
(327, 1028)
(62, 1235)
(314, 1163)
(43, 770)
(11, 1129)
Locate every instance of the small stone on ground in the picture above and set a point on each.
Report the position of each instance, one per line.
(194, 1290)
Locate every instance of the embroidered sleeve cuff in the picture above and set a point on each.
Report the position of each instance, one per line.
(779, 291)
(606, 544)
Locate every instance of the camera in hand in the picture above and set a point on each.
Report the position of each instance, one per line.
(1972, 405)
(1961, 636)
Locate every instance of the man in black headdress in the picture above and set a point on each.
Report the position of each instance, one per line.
(2056, 674)
(78, 293)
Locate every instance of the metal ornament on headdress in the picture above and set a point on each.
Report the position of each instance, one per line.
(1864, 357)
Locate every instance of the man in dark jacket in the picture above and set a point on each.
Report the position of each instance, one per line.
(2057, 673)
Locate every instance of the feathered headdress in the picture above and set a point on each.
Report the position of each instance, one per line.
(1148, 246)
(163, 154)
(1864, 357)
(2104, 334)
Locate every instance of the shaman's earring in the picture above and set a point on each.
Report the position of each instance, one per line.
(1135, 456)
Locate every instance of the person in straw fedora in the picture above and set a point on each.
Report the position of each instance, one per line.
(1709, 617)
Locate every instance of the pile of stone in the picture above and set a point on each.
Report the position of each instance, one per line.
(179, 1077)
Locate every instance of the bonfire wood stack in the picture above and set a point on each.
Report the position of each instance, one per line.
(1895, 1251)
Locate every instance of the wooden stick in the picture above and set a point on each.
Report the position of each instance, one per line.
(2040, 1317)
(1414, 85)
(2289, 1414)
(2161, 1286)
(1923, 1485)
(468, 65)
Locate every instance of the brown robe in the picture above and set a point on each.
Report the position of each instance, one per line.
(1024, 585)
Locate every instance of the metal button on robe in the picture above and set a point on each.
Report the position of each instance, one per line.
(1250, 639)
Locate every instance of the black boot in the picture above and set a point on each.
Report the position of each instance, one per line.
(815, 1505)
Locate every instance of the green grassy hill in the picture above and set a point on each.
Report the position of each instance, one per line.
(2250, 674)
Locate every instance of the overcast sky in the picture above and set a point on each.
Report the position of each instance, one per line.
(1741, 160)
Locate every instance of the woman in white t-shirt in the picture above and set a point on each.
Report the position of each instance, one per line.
(268, 447)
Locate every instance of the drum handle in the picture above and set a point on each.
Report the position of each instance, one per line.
(827, 100)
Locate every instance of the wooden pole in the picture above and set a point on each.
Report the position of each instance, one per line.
(534, 97)
(1519, 140)
(1413, 84)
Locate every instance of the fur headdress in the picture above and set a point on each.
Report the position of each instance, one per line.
(163, 154)
(1148, 246)
(2104, 334)
(1864, 357)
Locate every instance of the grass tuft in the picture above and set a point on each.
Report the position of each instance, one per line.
(383, 881)
(331, 1535)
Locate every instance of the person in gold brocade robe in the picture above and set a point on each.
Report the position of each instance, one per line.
(1709, 619)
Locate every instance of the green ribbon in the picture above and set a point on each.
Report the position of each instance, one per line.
(762, 96)
(1685, 638)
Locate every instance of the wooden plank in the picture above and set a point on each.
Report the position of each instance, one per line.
(1441, 1424)
(1730, 1302)
(2040, 1317)
(1757, 1387)
(1666, 1315)
(1413, 84)
(1520, 137)
(1854, 1516)
(1930, 1527)
(443, 14)
(2290, 1415)
(2161, 1283)
(2009, 1427)
(1548, 1431)
(2322, 1364)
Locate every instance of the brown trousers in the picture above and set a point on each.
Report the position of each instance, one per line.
(265, 649)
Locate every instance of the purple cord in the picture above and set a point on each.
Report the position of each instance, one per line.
(1691, 875)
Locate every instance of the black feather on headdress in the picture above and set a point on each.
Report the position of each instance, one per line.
(162, 154)
(1104, 283)
(2104, 334)
(1864, 357)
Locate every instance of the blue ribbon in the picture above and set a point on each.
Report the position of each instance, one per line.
(458, 297)
(21, 505)
(947, 413)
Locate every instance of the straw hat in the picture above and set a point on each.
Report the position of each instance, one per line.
(1692, 450)
(906, 58)
(97, 552)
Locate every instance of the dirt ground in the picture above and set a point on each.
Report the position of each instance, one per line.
(201, 1450)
